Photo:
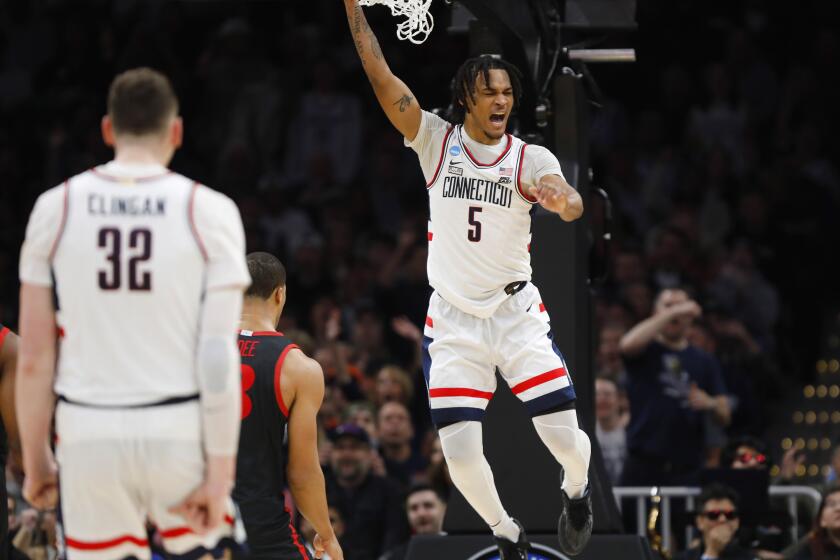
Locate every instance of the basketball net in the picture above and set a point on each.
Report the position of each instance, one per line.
(418, 23)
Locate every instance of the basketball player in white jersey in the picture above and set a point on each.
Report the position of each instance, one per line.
(484, 313)
(132, 280)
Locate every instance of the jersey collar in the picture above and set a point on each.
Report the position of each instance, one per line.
(473, 159)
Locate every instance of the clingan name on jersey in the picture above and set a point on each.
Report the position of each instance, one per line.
(103, 205)
(480, 190)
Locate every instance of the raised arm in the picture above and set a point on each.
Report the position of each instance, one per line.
(302, 383)
(638, 338)
(393, 95)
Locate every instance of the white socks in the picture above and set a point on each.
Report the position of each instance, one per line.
(464, 452)
(468, 468)
(506, 528)
(570, 446)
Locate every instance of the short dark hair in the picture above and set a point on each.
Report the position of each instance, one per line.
(140, 101)
(463, 84)
(717, 491)
(423, 487)
(727, 456)
(267, 274)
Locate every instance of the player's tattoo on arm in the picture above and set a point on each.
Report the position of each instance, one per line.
(356, 28)
(360, 27)
(404, 102)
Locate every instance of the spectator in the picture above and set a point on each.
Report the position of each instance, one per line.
(402, 463)
(671, 385)
(610, 427)
(718, 522)
(823, 542)
(425, 508)
(834, 468)
(370, 505)
(369, 339)
(363, 414)
(744, 453)
(608, 358)
(438, 473)
(393, 384)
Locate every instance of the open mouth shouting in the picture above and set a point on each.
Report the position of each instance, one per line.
(497, 120)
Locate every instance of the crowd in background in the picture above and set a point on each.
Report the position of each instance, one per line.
(718, 152)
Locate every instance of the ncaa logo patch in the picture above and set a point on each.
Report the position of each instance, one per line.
(537, 552)
(455, 150)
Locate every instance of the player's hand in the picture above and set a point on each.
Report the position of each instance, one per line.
(551, 198)
(205, 508)
(40, 484)
(330, 546)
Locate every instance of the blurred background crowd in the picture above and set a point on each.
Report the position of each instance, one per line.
(718, 149)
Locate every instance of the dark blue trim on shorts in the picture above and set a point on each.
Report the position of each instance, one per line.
(557, 351)
(453, 414)
(427, 359)
(550, 400)
(550, 335)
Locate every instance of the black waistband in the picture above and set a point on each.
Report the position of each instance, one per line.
(515, 287)
(164, 402)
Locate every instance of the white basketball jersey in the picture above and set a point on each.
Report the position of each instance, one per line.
(130, 251)
(480, 228)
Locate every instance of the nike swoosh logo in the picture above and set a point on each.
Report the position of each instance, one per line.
(452, 162)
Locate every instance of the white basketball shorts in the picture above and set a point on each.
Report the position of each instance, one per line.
(118, 469)
(462, 353)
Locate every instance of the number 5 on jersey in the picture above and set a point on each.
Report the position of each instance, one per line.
(474, 233)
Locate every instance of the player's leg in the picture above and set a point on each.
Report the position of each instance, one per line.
(461, 381)
(101, 515)
(537, 374)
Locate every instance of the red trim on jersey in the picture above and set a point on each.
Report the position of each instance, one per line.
(113, 179)
(542, 307)
(459, 392)
(538, 380)
(261, 333)
(498, 159)
(3, 332)
(64, 210)
(176, 532)
(429, 321)
(60, 331)
(295, 537)
(278, 370)
(191, 217)
(521, 164)
(429, 235)
(102, 545)
(442, 157)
